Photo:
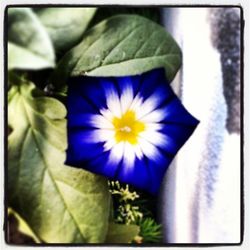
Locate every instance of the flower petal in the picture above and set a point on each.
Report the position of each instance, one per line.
(91, 91)
(82, 145)
(101, 165)
(155, 116)
(128, 156)
(112, 99)
(176, 113)
(150, 81)
(100, 121)
(116, 153)
(160, 96)
(101, 108)
(137, 176)
(126, 99)
(149, 150)
(157, 171)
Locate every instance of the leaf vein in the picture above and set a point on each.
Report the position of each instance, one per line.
(56, 186)
(144, 43)
(50, 174)
(120, 42)
(142, 58)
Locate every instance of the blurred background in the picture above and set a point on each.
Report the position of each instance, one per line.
(201, 196)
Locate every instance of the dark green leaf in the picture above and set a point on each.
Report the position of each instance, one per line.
(120, 45)
(120, 233)
(150, 231)
(29, 45)
(65, 25)
(61, 204)
(152, 13)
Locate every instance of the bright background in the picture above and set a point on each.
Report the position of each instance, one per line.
(201, 196)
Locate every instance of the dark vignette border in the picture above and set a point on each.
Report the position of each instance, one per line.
(242, 24)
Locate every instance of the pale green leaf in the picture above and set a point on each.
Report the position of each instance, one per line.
(121, 233)
(21, 58)
(65, 25)
(120, 45)
(61, 204)
(29, 44)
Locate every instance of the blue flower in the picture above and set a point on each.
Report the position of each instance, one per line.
(126, 128)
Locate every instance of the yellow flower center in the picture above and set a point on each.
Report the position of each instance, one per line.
(127, 128)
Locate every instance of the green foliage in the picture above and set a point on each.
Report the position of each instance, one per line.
(29, 45)
(120, 45)
(132, 208)
(125, 211)
(119, 233)
(150, 231)
(55, 203)
(65, 25)
(55, 200)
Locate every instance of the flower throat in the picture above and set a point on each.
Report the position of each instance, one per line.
(128, 128)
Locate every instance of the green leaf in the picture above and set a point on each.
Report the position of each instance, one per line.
(29, 45)
(120, 233)
(120, 45)
(152, 13)
(23, 227)
(21, 58)
(65, 25)
(150, 231)
(61, 204)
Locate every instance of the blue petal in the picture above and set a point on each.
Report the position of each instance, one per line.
(77, 103)
(107, 84)
(128, 81)
(102, 166)
(157, 171)
(170, 146)
(176, 136)
(151, 80)
(79, 149)
(178, 132)
(138, 175)
(90, 89)
(79, 120)
(163, 95)
(175, 113)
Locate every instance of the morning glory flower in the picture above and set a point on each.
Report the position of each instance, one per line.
(126, 128)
